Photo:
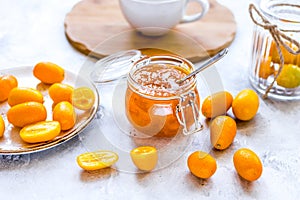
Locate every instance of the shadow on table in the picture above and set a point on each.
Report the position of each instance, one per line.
(96, 175)
(13, 161)
(197, 182)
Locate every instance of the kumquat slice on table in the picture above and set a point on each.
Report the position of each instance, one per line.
(97, 159)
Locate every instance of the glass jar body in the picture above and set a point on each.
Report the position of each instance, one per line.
(155, 104)
(265, 60)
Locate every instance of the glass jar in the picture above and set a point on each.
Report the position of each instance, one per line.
(155, 104)
(265, 61)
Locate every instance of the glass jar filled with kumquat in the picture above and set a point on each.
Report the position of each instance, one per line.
(277, 32)
(155, 103)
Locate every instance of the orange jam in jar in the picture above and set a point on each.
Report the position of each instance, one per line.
(156, 104)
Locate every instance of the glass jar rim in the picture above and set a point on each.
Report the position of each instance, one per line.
(184, 88)
(282, 10)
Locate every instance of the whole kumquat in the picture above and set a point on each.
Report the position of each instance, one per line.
(48, 72)
(266, 68)
(40, 131)
(26, 113)
(24, 94)
(2, 126)
(201, 164)
(289, 76)
(61, 92)
(222, 132)
(97, 159)
(144, 157)
(247, 164)
(245, 105)
(7, 83)
(216, 104)
(64, 113)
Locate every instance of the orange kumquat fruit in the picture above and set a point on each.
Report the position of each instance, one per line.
(48, 72)
(7, 83)
(61, 92)
(24, 94)
(216, 104)
(2, 126)
(201, 164)
(65, 114)
(245, 104)
(26, 113)
(266, 68)
(289, 76)
(222, 132)
(247, 164)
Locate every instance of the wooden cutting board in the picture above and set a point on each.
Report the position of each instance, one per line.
(98, 28)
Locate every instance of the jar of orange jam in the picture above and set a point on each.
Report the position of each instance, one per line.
(155, 104)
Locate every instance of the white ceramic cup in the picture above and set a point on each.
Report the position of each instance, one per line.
(157, 17)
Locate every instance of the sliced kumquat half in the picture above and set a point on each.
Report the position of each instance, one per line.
(97, 159)
(83, 98)
(144, 157)
(40, 132)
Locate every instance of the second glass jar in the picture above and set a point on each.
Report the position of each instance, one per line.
(265, 58)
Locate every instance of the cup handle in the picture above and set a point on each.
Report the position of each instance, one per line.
(190, 18)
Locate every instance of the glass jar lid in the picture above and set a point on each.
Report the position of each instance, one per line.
(114, 66)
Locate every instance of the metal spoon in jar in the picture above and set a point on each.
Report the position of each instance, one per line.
(205, 65)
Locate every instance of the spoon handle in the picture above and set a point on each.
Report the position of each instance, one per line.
(205, 65)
